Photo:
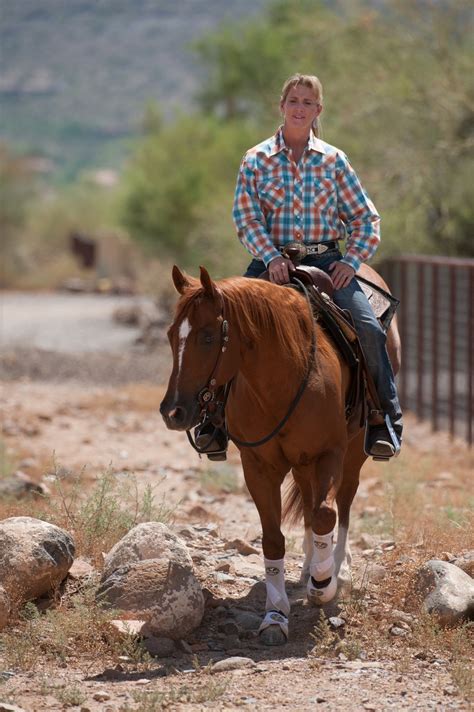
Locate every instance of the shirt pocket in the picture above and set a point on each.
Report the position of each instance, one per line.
(324, 192)
(271, 194)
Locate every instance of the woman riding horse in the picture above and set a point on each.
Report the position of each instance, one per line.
(294, 189)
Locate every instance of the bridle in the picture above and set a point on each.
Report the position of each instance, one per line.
(213, 410)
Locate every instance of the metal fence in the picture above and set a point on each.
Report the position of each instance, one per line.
(436, 320)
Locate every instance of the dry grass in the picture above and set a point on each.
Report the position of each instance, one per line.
(137, 397)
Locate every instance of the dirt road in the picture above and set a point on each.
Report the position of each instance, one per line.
(86, 428)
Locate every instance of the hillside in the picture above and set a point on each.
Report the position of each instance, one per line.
(77, 75)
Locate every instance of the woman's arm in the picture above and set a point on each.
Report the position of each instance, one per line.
(249, 218)
(358, 213)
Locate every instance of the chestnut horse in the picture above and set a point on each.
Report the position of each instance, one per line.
(265, 356)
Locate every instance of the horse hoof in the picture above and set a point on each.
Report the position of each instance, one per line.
(273, 635)
(320, 596)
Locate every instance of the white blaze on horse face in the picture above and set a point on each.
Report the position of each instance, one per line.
(184, 331)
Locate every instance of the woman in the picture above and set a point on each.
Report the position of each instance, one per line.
(294, 188)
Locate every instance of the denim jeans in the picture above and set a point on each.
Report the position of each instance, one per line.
(371, 335)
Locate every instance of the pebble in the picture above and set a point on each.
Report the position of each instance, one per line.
(223, 578)
(247, 620)
(231, 641)
(159, 647)
(395, 630)
(243, 547)
(101, 696)
(228, 627)
(235, 663)
(336, 622)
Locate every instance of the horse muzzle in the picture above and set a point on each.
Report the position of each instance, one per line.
(179, 416)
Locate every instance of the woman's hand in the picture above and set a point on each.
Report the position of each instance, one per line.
(341, 274)
(279, 270)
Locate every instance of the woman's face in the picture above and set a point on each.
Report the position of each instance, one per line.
(300, 108)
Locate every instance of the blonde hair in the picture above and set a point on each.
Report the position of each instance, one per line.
(311, 82)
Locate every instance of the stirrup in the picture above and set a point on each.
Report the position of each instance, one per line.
(388, 447)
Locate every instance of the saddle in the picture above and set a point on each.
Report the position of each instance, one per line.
(362, 394)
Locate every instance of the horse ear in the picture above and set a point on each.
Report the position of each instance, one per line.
(207, 283)
(180, 280)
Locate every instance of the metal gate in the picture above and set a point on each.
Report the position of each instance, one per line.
(436, 320)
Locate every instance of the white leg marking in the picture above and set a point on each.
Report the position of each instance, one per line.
(343, 559)
(308, 553)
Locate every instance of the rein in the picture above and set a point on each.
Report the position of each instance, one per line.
(207, 394)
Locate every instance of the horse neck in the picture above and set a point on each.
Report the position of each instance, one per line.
(268, 365)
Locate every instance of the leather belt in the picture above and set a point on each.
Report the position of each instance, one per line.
(311, 248)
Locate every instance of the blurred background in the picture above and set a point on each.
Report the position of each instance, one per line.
(123, 123)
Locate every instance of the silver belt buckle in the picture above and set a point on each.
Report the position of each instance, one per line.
(320, 248)
(289, 251)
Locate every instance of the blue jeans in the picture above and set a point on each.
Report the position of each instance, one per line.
(371, 335)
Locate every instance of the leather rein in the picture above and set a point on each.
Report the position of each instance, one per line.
(213, 411)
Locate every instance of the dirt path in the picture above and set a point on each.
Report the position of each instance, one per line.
(69, 426)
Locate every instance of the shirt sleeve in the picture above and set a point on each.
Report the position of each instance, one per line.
(249, 218)
(358, 213)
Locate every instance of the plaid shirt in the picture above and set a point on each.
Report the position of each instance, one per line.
(319, 199)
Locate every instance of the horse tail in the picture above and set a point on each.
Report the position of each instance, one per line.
(292, 511)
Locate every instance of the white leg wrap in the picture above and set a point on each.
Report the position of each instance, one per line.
(277, 600)
(322, 562)
(322, 567)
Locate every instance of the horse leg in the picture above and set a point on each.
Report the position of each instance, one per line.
(322, 583)
(264, 485)
(304, 486)
(353, 462)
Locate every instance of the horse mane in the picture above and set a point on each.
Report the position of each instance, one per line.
(260, 310)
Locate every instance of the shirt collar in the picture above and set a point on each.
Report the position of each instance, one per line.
(277, 143)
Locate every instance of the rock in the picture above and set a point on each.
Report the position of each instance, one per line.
(151, 540)
(81, 569)
(5, 608)
(20, 486)
(5, 707)
(336, 622)
(236, 663)
(465, 562)
(400, 632)
(35, 556)
(159, 647)
(376, 573)
(228, 627)
(129, 627)
(448, 591)
(230, 642)
(246, 620)
(101, 696)
(243, 547)
(149, 574)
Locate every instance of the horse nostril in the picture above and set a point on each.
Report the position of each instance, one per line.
(177, 415)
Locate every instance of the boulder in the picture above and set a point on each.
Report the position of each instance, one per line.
(35, 556)
(447, 591)
(149, 575)
(150, 540)
(5, 608)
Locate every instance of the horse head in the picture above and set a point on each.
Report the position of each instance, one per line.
(204, 352)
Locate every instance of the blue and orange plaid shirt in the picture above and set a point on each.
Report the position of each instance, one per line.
(318, 199)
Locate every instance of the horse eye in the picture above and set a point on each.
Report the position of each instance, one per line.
(208, 339)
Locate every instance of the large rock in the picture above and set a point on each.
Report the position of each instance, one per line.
(5, 608)
(35, 556)
(149, 574)
(447, 591)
